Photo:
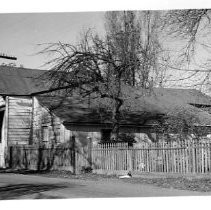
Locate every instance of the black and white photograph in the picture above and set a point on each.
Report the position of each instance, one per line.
(105, 104)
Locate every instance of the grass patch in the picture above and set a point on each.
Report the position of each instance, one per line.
(181, 183)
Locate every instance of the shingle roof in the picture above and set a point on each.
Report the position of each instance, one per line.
(22, 81)
(79, 110)
(19, 81)
(135, 110)
(190, 96)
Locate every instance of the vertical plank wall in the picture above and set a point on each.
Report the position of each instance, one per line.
(19, 119)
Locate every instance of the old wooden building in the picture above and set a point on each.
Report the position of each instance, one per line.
(21, 115)
(28, 117)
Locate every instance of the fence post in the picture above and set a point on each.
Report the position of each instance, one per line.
(39, 160)
(11, 157)
(132, 159)
(74, 155)
(90, 151)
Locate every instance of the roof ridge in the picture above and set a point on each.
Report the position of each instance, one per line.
(20, 68)
(166, 88)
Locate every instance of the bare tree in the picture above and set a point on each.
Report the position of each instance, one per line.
(109, 67)
(192, 28)
(187, 25)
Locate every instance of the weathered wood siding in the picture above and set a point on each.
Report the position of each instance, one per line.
(3, 141)
(43, 118)
(27, 119)
(19, 120)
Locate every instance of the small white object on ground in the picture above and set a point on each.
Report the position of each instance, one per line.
(129, 175)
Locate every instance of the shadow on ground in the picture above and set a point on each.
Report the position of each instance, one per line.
(23, 171)
(15, 191)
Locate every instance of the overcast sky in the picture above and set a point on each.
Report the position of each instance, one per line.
(20, 33)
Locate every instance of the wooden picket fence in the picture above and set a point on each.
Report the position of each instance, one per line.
(165, 157)
(31, 157)
(40, 158)
(171, 157)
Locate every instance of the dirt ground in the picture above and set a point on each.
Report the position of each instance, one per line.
(54, 185)
(192, 182)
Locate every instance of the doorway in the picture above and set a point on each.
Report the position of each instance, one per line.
(2, 140)
(1, 124)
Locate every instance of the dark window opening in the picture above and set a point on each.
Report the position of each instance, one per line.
(45, 134)
(1, 124)
(105, 135)
(57, 135)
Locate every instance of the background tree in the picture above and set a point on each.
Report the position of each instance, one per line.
(135, 35)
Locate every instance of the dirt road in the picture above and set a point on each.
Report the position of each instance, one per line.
(17, 186)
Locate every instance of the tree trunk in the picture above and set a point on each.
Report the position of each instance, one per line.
(115, 121)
